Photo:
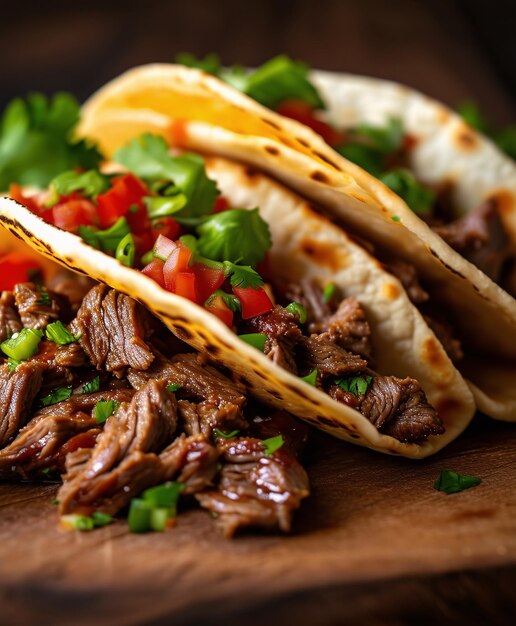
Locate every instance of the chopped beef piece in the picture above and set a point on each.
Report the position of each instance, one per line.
(282, 332)
(44, 443)
(192, 461)
(398, 407)
(71, 355)
(256, 489)
(111, 327)
(36, 305)
(84, 403)
(72, 286)
(480, 237)
(318, 351)
(407, 275)
(17, 392)
(209, 399)
(123, 462)
(348, 328)
(294, 431)
(56, 373)
(444, 332)
(310, 295)
(10, 321)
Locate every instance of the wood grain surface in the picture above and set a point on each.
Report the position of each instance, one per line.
(375, 543)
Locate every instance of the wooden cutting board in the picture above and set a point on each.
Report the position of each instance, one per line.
(374, 544)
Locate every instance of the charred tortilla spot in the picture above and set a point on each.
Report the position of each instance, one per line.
(443, 115)
(183, 333)
(354, 436)
(465, 138)
(319, 177)
(212, 350)
(322, 254)
(275, 394)
(304, 143)
(390, 291)
(503, 200)
(448, 267)
(327, 421)
(433, 354)
(271, 123)
(272, 150)
(324, 158)
(250, 172)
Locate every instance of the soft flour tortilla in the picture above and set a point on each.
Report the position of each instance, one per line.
(196, 110)
(304, 245)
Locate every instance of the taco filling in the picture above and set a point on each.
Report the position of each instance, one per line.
(385, 152)
(166, 218)
(97, 392)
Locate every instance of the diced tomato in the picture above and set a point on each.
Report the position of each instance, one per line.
(71, 214)
(254, 301)
(177, 262)
(218, 307)
(16, 193)
(221, 204)
(155, 271)
(166, 226)
(185, 285)
(125, 192)
(143, 242)
(15, 268)
(304, 113)
(207, 280)
(163, 247)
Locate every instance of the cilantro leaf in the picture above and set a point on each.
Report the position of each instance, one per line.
(472, 115)
(56, 395)
(418, 197)
(357, 385)
(92, 385)
(386, 138)
(224, 435)
(90, 183)
(210, 63)
(452, 482)
(242, 275)
(36, 142)
(272, 444)
(236, 235)
(148, 157)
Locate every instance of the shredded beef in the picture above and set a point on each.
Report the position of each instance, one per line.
(348, 328)
(310, 295)
(111, 328)
(37, 306)
(192, 461)
(480, 237)
(124, 460)
(294, 431)
(60, 363)
(10, 321)
(84, 403)
(72, 286)
(209, 399)
(256, 489)
(17, 392)
(398, 407)
(407, 275)
(44, 443)
(71, 355)
(318, 351)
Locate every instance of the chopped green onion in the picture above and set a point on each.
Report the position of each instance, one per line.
(104, 409)
(174, 387)
(58, 333)
(311, 378)
(21, 346)
(56, 395)
(78, 522)
(139, 518)
(92, 386)
(257, 340)
(148, 257)
(272, 444)
(221, 433)
(329, 292)
(125, 251)
(165, 495)
(395, 218)
(229, 299)
(297, 309)
(12, 365)
(44, 297)
(165, 206)
(357, 385)
(159, 517)
(452, 482)
(101, 519)
(108, 239)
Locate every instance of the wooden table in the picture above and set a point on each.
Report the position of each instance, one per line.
(375, 544)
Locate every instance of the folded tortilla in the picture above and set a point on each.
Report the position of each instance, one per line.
(195, 110)
(308, 246)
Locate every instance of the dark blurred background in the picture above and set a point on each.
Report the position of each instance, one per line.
(451, 49)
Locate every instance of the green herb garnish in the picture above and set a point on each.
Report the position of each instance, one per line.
(236, 235)
(357, 385)
(174, 387)
(91, 184)
(272, 444)
(56, 395)
(328, 293)
(210, 63)
(104, 409)
(418, 197)
(125, 251)
(12, 365)
(395, 218)
(242, 275)
(297, 310)
(223, 435)
(229, 299)
(36, 140)
(257, 340)
(44, 297)
(155, 508)
(92, 386)
(311, 378)
(58, 333)
(107, 240)
(452, 482)
(21, 346)
(86, 523)
(54, 501)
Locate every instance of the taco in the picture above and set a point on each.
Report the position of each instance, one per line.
(256, 270)
(196, 110)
